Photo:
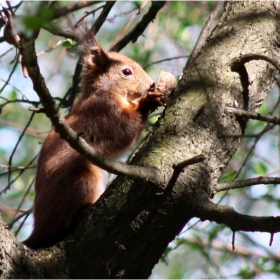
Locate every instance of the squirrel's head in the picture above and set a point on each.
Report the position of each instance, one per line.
(112, 72)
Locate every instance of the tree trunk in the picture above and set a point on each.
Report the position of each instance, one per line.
(126, 232)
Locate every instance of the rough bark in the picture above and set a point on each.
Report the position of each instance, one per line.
(125, 233)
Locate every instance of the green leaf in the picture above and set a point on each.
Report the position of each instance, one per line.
(13, 94)
(260, 168)
(68, 43)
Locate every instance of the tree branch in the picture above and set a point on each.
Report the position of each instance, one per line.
(203, 34)
(246, 183)
(165, 59)
(223, 214)
(240, 61)
(254, 116)
(140, 27)
(71, 93)
(102, 17)
(178, 168)
(72, 8)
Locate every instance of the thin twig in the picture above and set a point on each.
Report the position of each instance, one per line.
(3, 54)
(88, 13)
(203, 34)
(102, 17)
(143, 5)
(10, 75)
(254, 116)
(266, 129)
(72, 8)
(138, 30)
(15, 148)
(233, 240)
(26, 213)
(179, 168)
(165, 59)
(271, 238)
(15, 169)
(71, 93)
(8, 101)
(23, 221)
(29, 131)
(60, 42)
(20, 173)
(271, 255)
(23, 198)
(246, 183)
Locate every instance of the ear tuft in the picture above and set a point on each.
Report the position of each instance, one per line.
(92, 52)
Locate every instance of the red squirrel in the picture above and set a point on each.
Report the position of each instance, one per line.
(116, 98)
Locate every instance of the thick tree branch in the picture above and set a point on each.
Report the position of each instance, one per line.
(246, 183)
(55, 30)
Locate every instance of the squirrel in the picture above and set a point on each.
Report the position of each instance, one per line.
(116, 98)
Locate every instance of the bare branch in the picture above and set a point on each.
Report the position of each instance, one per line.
(203, 34)
(56, 30)
(72, 8)
(10, 76)
(240, 61)
(19, 127)
(3, 54)
(246, 183)
(143, 5)
(26, 214)
(223, 214)
(254, 116)
(233, 241)
(165, 59)
(137, 31)
(14, 150)
(266, 129)
(23, 199)
(271, 239)
(102, 17)
(71, 93)
(29, 165)
(180, 168)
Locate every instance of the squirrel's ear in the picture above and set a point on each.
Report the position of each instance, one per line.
(92, 52)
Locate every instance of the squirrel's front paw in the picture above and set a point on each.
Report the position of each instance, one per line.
(156, 97)
(164, 86)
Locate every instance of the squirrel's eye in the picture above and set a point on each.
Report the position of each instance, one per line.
(127, 72)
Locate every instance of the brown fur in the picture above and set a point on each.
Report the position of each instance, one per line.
(110, 118)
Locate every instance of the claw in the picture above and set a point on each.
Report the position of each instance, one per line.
(155, 94)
